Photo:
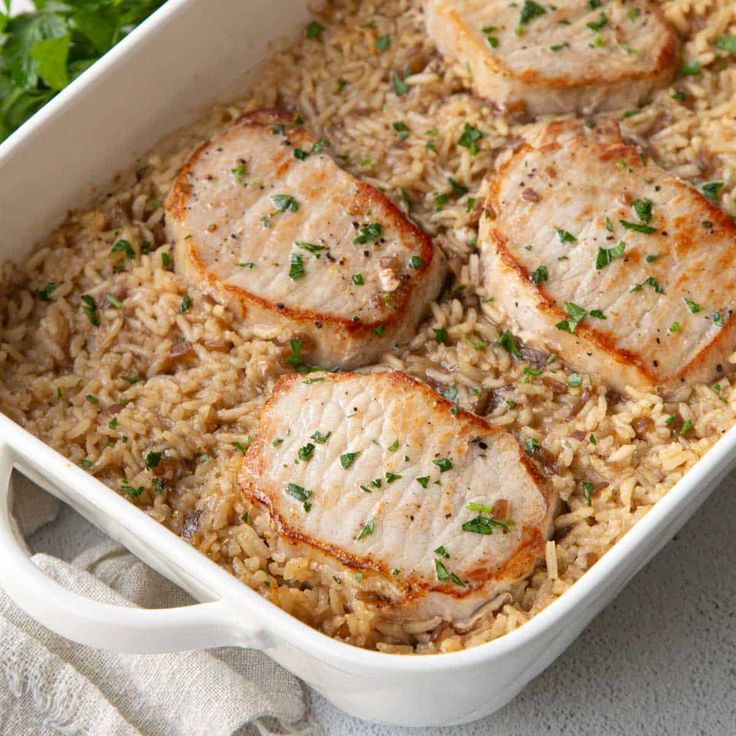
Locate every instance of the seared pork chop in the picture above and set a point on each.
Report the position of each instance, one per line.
(602, 257)
(438, 509)
(264, 219)
(574, 55)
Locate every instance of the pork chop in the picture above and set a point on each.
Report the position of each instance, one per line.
(574, 55)
(436, 509)
(265, 220)
(600, 256)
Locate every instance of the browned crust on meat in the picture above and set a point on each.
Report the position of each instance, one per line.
(529, 550)
(688, 239)
(367, 197)
(662, 71)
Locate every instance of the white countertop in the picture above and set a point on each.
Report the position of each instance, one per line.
(660, 660)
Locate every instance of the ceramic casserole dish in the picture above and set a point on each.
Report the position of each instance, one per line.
(154, 81)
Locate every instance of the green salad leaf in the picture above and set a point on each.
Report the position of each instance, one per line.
(43, 50)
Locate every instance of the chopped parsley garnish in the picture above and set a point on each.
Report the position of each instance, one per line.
(415, 262)
(485, 525)
(393, 446)
(652, 258)
(588, 489)
(687, 425)
(313, 248)
(131, 491)
(488, 32)
(597, 314)
(240, 447)
(358, 279)
(92, 399)
(592, 439)
(402, 129)
(531, 446)
(674, 327)
(692, 306)
(596, 25)
(565, 237)
(300, 494)
(470, 137)
(369, 234)
(152, 460)
(477, 344)
(320, 438)
(440, 200)
(609, 225)
(284, 202)
(575, 315)
(444, 464)
(540, 274)
(90, 309)
(712, 190)
(529, 11)
(643, 209)
(649, 281)
(559, 46)
(306, 453)
(508, 343)
(633, 14)
(399, 85)
(239, 172)
(296, 267)
(44, 294)
(680, 96)
(726, 43)
(442, 552)
(186, 303)
(608, 255)
(638, 227)
(123, 246)
(690, 69)
(165, 261)
(113, 423)
(391, 477)
(86, 464)
(574, 380)
(347, 459)
(314, 29)
(379, 330)
(366, 530)
(718, 319)
(423, 481)
(383, 43)
(440, 334)
(441, 570)
(114, 301)
(458, 190)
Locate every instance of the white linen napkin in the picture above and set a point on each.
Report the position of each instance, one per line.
(51, 686)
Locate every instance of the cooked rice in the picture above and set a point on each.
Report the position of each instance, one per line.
(108, 395)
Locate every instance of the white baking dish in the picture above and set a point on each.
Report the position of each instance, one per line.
(151, 83)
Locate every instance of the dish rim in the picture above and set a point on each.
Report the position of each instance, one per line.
(270, 618)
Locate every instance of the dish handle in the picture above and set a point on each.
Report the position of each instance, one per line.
(105, 626)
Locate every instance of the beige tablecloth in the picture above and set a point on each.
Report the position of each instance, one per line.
(51, 686)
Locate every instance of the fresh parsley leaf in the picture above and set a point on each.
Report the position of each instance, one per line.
(726, 43)
(383, 43)
(712, 190)
(529, 11)
(347, 459)
(638, 227)
(470, 137)
(539, 274)
(296, 267)
(565, 236)
(284, 202)
(575, 315)
(643, 209)
(366, 530)
(508, 343)
(692, 306)
(314, 29)
(608, 255)
(369, 234)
